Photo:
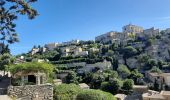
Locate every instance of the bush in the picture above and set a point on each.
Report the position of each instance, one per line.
(113, 86)
(94, 95)
(66, 92)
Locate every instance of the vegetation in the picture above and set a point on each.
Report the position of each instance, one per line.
(66, 92)
(5, 61)
(94, 95)
(9, 12)
(123, 71)
(128, 85)
(31, 67)
(112, 86)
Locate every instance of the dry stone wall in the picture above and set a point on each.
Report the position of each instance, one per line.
(31, 92)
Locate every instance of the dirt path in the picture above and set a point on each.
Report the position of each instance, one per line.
(5, 97)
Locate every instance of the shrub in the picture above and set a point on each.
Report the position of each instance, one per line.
(113, 86)
(94, 95)
(66, 92)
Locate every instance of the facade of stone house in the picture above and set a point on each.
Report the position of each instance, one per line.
(163, 79)
(34, 51)
(51, 46)
(132, 29)
(167, 30)
(71, 42)
(101, 65)
(154, 95)
(110, 37)
(32, 86)
(151, 32)
(35, 78)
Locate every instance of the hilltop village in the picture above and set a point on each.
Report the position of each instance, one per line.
(128, 65)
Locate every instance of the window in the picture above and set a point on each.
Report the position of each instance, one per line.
(31, 79)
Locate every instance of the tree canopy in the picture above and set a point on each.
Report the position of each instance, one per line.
(9, 12)
(32, 67)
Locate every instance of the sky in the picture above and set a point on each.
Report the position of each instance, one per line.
(64, 20)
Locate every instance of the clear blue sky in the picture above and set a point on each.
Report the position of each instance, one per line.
(63, 20)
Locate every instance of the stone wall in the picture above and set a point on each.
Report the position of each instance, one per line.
(32, 92)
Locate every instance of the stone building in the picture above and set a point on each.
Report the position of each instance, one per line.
(71, 42)
(51, 46)
(132, 29)
(30, 85)
(154, 95)
(110, 37)
(25, 78)
(167, 30)
(151, 32)
(163, 79)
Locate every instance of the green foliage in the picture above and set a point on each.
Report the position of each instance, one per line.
(150, 63)
(128, 84)
(143, 58)
(149, 42)
(135, 75)
(129, 51)
(113, 86)
(96, 80)
(32, 67)
(66, 91)
(71, 78)
(5, 61)
(110, 74)
(155, 70)
(94, 95)
(123, 71)
(9, 12)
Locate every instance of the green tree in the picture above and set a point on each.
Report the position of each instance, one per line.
(128, 85)
(113, 86)
(5, 61)
(150, 63)
(9, 12)
(155, 70)
(128, 51)
(71, 78)
(123, 71)
(96, 81)
(135, 75)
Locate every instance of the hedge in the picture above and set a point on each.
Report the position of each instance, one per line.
(94, 95)
(66, 91)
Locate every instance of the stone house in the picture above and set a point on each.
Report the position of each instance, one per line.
(35, 50)
(132, 29)
(71, 42)
(35, 78)
(151, 32)
(162, 78)
(84, 86)
(154, 95)
(167, 30)
(110, 37)
(32, 86)
(51, 46)
(100, 65)
(78, 51)
(120, 96)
